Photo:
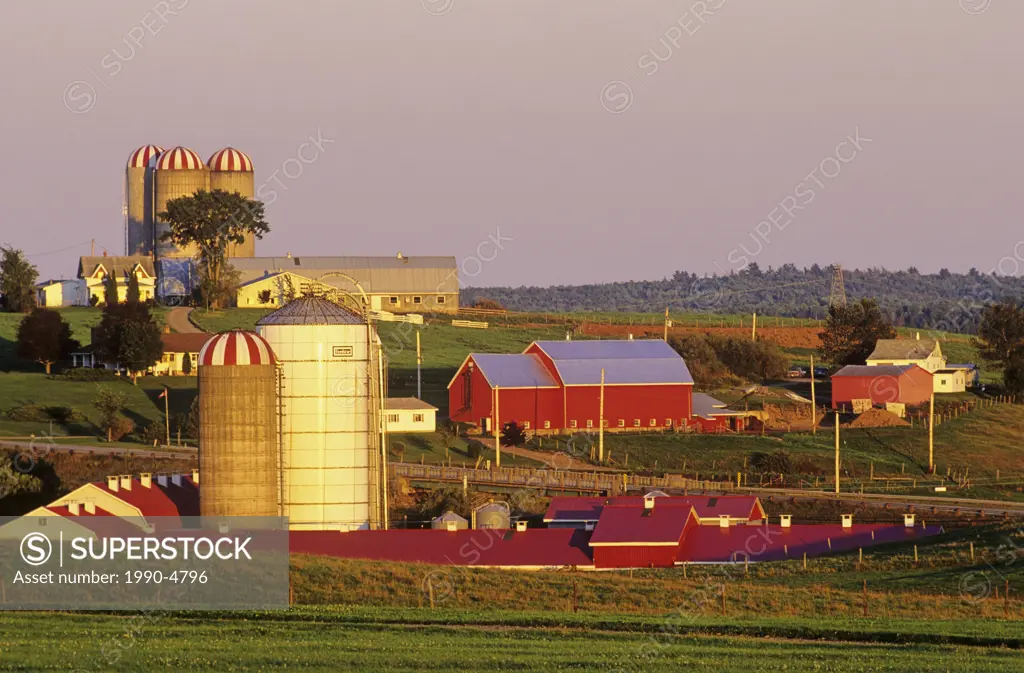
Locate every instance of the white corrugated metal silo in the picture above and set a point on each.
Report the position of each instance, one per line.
(330, 415)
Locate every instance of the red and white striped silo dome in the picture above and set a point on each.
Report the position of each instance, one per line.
(230, 159)
(141, 157)
(237, 347)
(179, 159)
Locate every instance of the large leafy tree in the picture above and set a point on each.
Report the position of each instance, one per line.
(128, 335)
(45, 336)
(211, 221)
(852, 331)
(1001, 333)
(17, 276)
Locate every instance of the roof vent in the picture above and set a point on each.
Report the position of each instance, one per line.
(399, 255)
(723, 521)
(451, 526)
(520, 526)
(73, 508)
(195, 477)
(847, 521)
(176, 479)
(908, 520)
(222, 527)
(90, 506)
(630, 337)
(786, 520)
(112, 483)
(161, 480)
(649, 502)
(146, 479)
(126, 482)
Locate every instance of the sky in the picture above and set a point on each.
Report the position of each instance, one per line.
(540, 142)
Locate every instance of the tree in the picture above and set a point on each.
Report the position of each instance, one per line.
(1001, 333)
(1013, 375)
(110, 290)
(133, 294)
(264, 296)
(45, 337)
(488, 304)
(512, 434)
(129, 336)
(211, 221)
(17, 278)
(851, 332)
(110, 402)
(186, 364)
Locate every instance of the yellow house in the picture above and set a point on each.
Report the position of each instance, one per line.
(271, 291)
(925, 353)
(93, 270)
(57, 293)
(408, 414)
(950, 380)
(178, 347)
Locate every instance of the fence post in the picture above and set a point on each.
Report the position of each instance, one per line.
(865, 598)
(723, 599)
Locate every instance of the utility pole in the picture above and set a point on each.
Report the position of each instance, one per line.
(814, 402)
(498, 436)
(419, 368)
(167, 416)
(600, 423)
(92, 248)
(837, 451)
(667, 324)
(753, 327)
(931, 434)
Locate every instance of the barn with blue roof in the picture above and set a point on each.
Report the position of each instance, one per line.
(556, 386)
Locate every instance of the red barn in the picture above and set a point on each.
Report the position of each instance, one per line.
(909, 384)
(556, 385)
(648, 536)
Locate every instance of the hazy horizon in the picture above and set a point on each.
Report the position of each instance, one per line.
(596, 141)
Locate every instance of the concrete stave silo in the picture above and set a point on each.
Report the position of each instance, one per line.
(331, 458)
(177, 172)
(231, 170)
(238, 426)
(138, 232)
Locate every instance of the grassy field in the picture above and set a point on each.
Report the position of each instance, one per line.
(417, 640)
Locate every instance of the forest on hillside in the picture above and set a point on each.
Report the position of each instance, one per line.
(944, 300)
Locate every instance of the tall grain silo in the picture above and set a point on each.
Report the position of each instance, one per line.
(178, 172)
(238, 427)
(231, 170)
(138, 233)
(331, 444)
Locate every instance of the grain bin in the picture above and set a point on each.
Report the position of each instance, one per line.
(238, 428)
(231, 171)
(449, 521)
(493, 515)
(177, 172)
(138, 235)
(330, 415)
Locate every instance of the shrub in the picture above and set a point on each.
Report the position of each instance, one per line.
(87, 374)
(475, 449)
(512, 434)
(775, 462)
(154, 432)
(65, 415)
(119, 428)
(32, 413)
(398, 449)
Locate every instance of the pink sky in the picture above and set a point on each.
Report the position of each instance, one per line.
(457, 120)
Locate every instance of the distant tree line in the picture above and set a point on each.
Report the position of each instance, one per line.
(946, 301)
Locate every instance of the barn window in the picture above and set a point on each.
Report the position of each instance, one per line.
(416, 300)
(392, 300)
(590, 423)
(440, 300)
(526, 425)
(668, 422)
(942, 382)
(636, 422)
(605, 423)
(654, 422)
(572, 423)
(622, 422)
(547, 425)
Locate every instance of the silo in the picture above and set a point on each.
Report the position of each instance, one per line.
(449, 521)
(138, 235)
(231, 170)
(178, 172)
(493, 515)
(238, 431)
(330, 415)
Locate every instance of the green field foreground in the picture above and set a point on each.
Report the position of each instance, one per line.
(365, 639)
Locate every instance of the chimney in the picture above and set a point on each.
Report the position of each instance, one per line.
(847, 521)
(146, 478)
(90, 506)
(399, 256)
(785, 520)
(161, 480)
(648, 502)
(73, 508)
(195, 477)
(723, 521)
(176, 479)
(126, 482)
(288, 255)
(520, 526)
(112, 483)
(908, 520)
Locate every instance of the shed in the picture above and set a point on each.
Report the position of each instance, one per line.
(907, 384)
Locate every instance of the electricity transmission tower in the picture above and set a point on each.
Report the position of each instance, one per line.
(837, 295)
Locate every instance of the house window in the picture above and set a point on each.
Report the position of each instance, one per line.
(622, 422)
(654, 422)
(590, 423)
(417, 418)
(416, 300)
(392, 418)
(526, 425)
(942, 382)
(572, 423)
(440, 300)
(636, 422)
(392, 300)
(547, 425)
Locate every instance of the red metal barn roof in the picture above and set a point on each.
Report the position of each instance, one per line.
(569, 508)
(157, 500)
(713, 544)
(627, 361)
(488, 547)
(909, 384)
(625, 525)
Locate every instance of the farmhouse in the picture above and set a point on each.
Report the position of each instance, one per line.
(906, 384)
(557, 385)
(93, 270)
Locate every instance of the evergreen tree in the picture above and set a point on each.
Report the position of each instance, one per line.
(128, 335)
(133, 295)
(17, 278)
(110, 290)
